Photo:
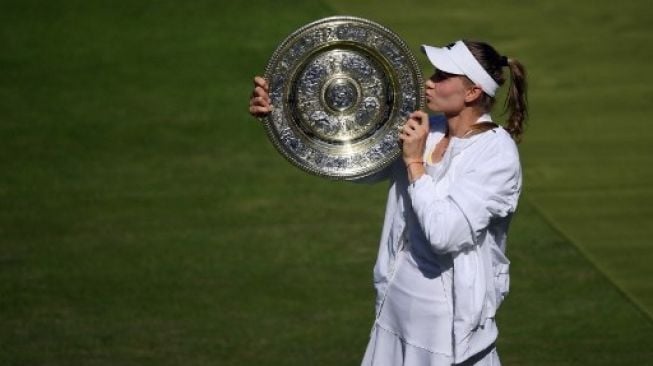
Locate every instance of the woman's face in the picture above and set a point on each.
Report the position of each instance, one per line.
(446, 92)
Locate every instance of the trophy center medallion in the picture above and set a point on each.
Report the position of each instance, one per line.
(341, 94)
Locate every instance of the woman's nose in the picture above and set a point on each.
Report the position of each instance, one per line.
(429, 83)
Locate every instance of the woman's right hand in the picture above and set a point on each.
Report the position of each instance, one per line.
(260, 103)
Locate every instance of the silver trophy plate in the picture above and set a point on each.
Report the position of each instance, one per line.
(340, 88)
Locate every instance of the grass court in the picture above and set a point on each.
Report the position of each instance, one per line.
(146, 220)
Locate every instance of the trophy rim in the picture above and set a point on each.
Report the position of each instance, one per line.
(413, 65)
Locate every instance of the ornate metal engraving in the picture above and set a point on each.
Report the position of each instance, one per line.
(340, 87)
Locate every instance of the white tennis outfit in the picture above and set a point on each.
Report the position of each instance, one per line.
(441, 272)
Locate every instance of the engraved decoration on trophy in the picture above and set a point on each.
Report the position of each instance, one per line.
(340, 87)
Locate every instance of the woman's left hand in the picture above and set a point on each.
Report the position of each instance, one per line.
(413, 137)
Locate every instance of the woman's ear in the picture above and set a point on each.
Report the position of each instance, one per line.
(473, 93)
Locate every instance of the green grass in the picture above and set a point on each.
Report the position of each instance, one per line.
(146, 220)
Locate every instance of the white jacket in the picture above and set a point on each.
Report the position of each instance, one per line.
(460, 210)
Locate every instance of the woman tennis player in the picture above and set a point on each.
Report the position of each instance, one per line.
(441, 271)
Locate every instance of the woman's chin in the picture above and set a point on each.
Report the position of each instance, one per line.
(433, 107)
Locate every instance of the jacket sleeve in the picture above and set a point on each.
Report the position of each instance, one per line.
(486, 190)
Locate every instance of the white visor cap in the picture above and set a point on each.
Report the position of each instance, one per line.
(458, 59)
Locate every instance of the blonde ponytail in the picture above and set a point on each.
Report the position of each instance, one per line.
(517, 100)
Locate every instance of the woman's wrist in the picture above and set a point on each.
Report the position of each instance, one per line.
(415, 169)
(409, 161)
